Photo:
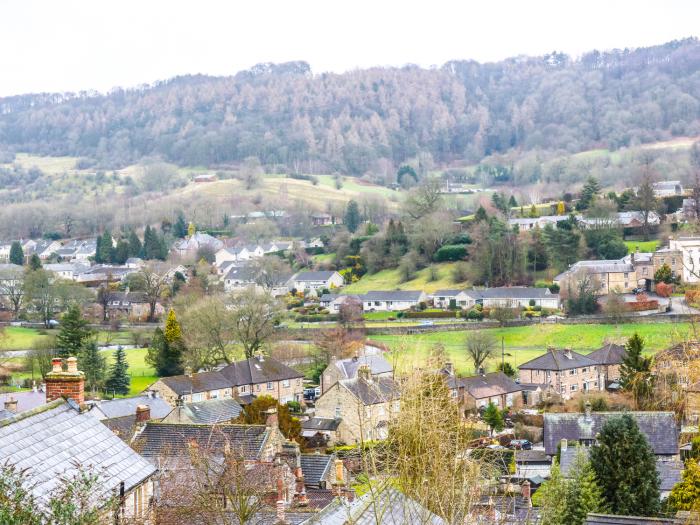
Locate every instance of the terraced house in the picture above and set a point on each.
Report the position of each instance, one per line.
(562, 371)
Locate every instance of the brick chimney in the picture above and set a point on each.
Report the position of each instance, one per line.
(11, 405)
(280, 504)
(271, 420)
(143, 413)
(300, 498)
(449, 368)
(526, 492)
(339, 482)
(365, 372)
(67, 384)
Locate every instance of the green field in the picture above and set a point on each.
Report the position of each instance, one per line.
(20, 338)
(142, 375)
(324, 258)
(391, 280)
(643, 246)
(527, 342)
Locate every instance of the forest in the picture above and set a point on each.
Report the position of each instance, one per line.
(372, 121)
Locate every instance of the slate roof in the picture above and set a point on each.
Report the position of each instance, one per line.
(314, 276)
(129, 297)
(488, 385)
(207, 412)
(50, 440)
(659, 428)
(245, 274)
(531, 456)
(379, 390)
(377, 365)
(389, 507)
(4, 414)
(123, 427)
(609, 519)
(257, 370)
(200, 382)
(321, 424)
(557, 359)
(316, 467)
(447, 293)
(610, 354)
(163, 439)
(392, 295)
(127, 406)
(511, 292)
(25, 400)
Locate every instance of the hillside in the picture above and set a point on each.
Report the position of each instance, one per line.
(370, 121)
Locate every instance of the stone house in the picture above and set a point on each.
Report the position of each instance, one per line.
(668, 188)
(191, 245)
(348, 368)
(243, 380)
(672, 258)
(613, 275)
(675, 362)
(692, 403)
(689, 259)
(475, 392)
(608, 360)
(364, 405)
(564, 371)
(133, 306)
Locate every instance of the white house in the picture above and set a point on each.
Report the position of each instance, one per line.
(689, 248)
(387, 301)
(69, 271)
(529, 223)
(668, 188)
(333, 302)
(447, 298)
(514, 297)
(314, 281)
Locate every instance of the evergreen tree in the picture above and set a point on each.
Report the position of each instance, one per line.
(625, 467)
(121, 252)
(173, 330)
(191, 229)
(480, 215)
(135, 246)
(164, 357)
(583, 494)
(352, 216)
(589, 192)
(180, 226)
(105, 249)
(512, 203)
(635, 371)
(551, 497)
(119, 381)
(34, 262)
(16, 253)
(74, 333)
(151, 248)
(94, 365)
(685, 495)
(493, 417)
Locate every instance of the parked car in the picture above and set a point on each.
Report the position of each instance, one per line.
(311, 393)
(520, 444)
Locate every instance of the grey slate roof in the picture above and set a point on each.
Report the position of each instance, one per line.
(659, 428)
(244, 274)
(389, 507)
(25, 400)
(377, 365)
(379, 390)
(158, 439)
(447, 293)
(531, 456)
(127, 406)
(392, 295)
(610, 354)
(558, 359)
(200, 382)
(316, 468)
(488, 385)
(321, 424)
(609, 519)
(50, 440)
(207, 412)
(257, 370)
(511, 292)
(314, 276)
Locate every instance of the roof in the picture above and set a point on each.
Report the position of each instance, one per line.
(25, 400)
(321, 424)
(389, 507)
(659, 428)
(531, 456)
(200, 382)
(207, 412)
(610, 519)
(447, 293)
(258, 370)
(610, 354)
(241, 273)
(377, 365)
(51, 440)
(130, 297)
(378, 390)
(163, 439)
(392, 295)
(316, 467)
(127, 406)
(314, 276)
(603, 266)
(488, 385)
(557, 359)
(512, 292)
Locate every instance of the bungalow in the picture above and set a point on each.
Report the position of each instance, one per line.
(668, 188)
(333, 302)
(513, 297)
(69, 270)
(564, 371)
(451, 299)
(528, 223)
(310, 281)
(321, 219)
(387, 301)
(238, 277)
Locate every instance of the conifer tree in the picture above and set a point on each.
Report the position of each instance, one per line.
(34, 262)
(105, 249)
(625, 467)
(635, 371)
(165, 358)
(118, 381)
(583, 494)
(94, 365)
(551, 497)
(16, 253)
(352, 216)
(493, 417)
(74, 333)
(173, 330)
(685, 495)
(135, 246)
(180, 226)
(121, 252)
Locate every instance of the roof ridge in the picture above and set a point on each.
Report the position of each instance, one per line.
(34, 411)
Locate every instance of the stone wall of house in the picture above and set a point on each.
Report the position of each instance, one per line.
(165, 392)
(568, 383)
(283, 391)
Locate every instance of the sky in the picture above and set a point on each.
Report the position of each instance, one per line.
(73, 45)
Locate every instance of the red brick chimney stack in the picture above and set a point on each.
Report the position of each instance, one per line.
(68, 384)
(143, 413)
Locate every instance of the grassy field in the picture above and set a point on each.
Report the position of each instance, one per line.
(644, 246)
(391, 280)
(142, 375)
(527, 342)
(20, 338)
(324, 258)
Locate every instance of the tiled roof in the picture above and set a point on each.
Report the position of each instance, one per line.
(610, 354)
(392, 295)
(127, 406)
(488, 385)
(321, 424)
(610, 519)
(316, 467)
(314, 276)
(377, 365)
(200, 382)
(207, 412)
(557, 359)
(511, 292)
(164, 439)
(25, 400)
(378, 390)
(257, 370)
(659, 428)
(51, 440)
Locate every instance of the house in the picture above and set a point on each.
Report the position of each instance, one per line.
(191, 245)
(316, 242)
(692, 403)
(204, 178)
(364, 405)
(323, 429)
(239, 277)
(257, 376)
(396, 300)
(86, 250)
(43, 248)
(134, 262)
(673, 258)
(675, 362)
(125, 417)
(209, 412)
(333, 302)
(452, 299)
(475, 392)
(635, 219)
(310, 281)
(513, 297)
(134, 306)
(321, 219)
(68, 271)
(607, 276)
(564, 371)
(104, 273)
(347, 369)
(567, 428)
(12, 403)
(51, 440)
(667, 188)
(529, 223)
(608, 360)
(688, 249)
(529, 463)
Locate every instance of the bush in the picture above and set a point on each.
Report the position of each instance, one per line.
(294, 406)
(664, 290)
(475, 315)
(431, 314)
(316, 318)
(451, 252)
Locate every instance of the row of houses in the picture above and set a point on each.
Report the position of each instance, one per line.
(623, 219)
(73, 250)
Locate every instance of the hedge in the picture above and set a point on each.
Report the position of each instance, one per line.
(316, 318)
(431, 315)
(639, 306)
(451, 252)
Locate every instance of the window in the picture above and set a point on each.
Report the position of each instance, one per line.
(227, 393)
(285, 383)
(198, 396)
(380, 410)
(244, 389)
(214, 394)
(572, 372)
(337, 412)
(269, 386)
(627, 276)
(673, 261)
(368, 412)
(257, 388)
(454, 393)
(574, 388)
(584, 370)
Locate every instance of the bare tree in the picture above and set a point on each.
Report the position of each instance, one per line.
(208, 332)
(152, 281)
(12, 289)
(423, 199)
(646, 202)
(253, 316)
(270, 272)
(480, 346)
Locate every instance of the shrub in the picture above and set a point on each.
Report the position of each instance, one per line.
(440, 314)
(316, 318)
(475, 315)
(451, 252)
(532, 302)
(294, 406)
(664, 290)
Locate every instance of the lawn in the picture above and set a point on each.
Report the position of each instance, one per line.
(142, 374)
(643, 246)
(391, 280)
(324, 258)
(19, 338)
(523, 343)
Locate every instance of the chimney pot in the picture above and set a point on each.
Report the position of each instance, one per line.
(57, 364)
(11, 405)
(564, 444)
(143, 413)
(364, 372)
(72, 363)
(587, 409)
(525, 489)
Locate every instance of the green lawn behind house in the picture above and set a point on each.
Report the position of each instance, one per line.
(643, 246)
(391, 280)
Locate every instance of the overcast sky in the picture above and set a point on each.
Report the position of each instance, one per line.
(69, 45)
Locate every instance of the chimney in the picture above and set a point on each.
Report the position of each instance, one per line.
(143, 413)
(11, 405)
(449, 368)
(525, 491)
(68, 384)
(188, 371)
(481, 371)
(300, 498)
(587, 409)
(567, 353)
(564, 444)
(271, 420)
(281, 517)
(339, 482)
(364, 372)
